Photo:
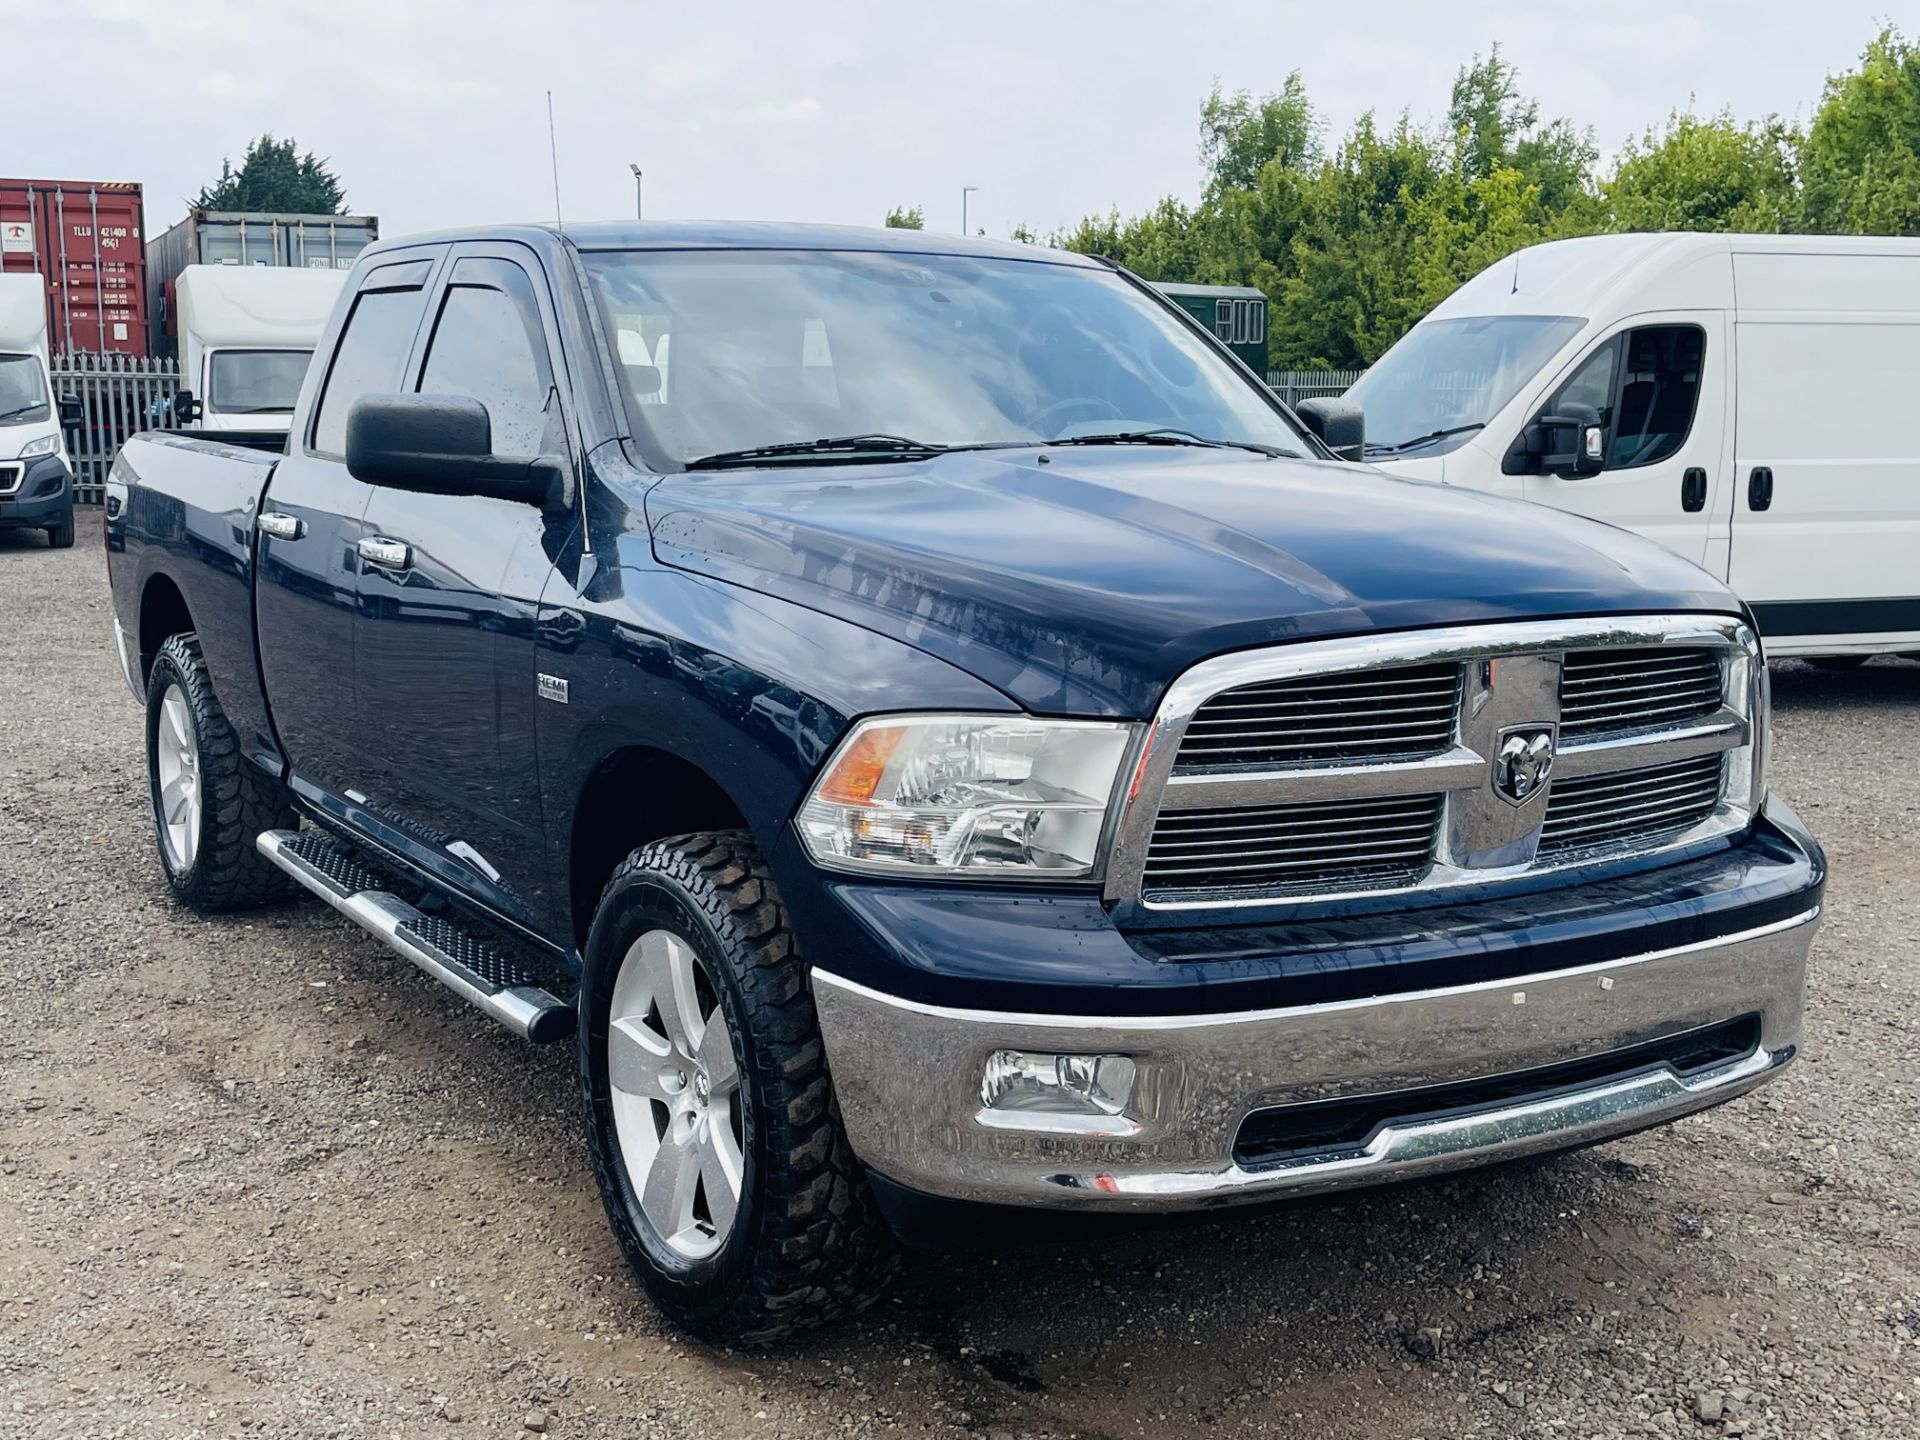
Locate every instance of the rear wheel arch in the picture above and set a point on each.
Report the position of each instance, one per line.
(163, 614)
(634, 796)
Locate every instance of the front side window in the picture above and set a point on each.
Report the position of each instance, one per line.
(1446, 379)
(730, 350)
(23, 390)
(1659, 390)
(372, 355)
(1645, 386)
(255, 382)
(487, 345)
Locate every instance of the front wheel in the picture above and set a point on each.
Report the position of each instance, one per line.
(715, 1136)
(209, 802)
(60, 536)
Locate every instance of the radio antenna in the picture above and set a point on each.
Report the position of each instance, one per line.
(553, 154)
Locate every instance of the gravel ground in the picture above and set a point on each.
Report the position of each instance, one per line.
(262, 1178)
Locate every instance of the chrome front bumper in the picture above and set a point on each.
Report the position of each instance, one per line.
(908, 1077)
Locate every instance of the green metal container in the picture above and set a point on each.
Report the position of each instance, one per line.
(1237, 314)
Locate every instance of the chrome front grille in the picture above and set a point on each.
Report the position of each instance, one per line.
(1630, 806)
(1607, 691)
(1419, 761)
(1326, 719)
(1368, 844)
(10, 478)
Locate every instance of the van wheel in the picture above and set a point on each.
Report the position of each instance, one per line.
(209, 803)
(60, 536)
(1838, 662)
(714, 1132)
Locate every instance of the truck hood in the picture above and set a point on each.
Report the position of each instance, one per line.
(1083, 585)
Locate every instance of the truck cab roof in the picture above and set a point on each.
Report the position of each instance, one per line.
(741, 235)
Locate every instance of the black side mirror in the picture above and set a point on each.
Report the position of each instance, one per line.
(443, 445)
(186, 409)
(1338, 423)
(72, 413)
(1572, 442)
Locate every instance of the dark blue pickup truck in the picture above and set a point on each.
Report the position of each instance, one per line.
(943, 739)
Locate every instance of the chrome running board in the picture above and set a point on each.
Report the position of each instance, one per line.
(471, 968)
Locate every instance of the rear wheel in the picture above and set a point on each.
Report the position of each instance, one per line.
(60, 536)
(209, 802)
(715, 1137)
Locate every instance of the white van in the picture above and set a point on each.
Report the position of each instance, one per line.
(36, 475)
(1746, 400)
(246, 334)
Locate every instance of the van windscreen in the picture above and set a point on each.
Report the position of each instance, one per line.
(1446, 378)
(23, 390)
(256, 382)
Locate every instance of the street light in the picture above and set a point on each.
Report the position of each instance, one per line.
(639, 210)
(965, 190)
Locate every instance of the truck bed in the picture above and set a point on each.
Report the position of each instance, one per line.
(193, 498)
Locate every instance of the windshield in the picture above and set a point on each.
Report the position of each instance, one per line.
(1454, 376)
(730, 350)
(23, 390)
(256, 382)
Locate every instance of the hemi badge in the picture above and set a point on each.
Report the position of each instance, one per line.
(552, 687)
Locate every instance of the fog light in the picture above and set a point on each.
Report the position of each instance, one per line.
(1057, 1084)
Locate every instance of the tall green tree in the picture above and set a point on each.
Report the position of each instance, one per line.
(1860, 166)
(273, 175)
(1495, 125)
(1353, 247)
(1240, 135)
(907, 218)
(1708, 174)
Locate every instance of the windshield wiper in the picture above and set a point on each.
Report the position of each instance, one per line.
(881, 447)
(22, 410)
(1427, 439)
(1164, 435)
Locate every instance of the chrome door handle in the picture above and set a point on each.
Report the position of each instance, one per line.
(387, 554)
(281, 527)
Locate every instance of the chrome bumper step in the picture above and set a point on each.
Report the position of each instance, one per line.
(473, 969)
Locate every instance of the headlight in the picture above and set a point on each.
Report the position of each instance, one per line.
(1749, 693)
(45, 445)
(936, 794)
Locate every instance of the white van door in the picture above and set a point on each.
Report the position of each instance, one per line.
(1826, 510)
(1659, 383)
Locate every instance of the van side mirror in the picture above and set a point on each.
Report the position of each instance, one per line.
(443, 445)
(1572, 443)
(1339, 423)
(186, 409)
(73, 414)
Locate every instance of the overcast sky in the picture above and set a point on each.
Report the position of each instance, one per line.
(433, 112)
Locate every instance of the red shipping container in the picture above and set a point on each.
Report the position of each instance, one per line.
(87, 239)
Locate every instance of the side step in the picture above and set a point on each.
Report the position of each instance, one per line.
(471, 968)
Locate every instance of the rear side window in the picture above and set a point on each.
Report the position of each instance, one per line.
(372, 355)
(488, 345)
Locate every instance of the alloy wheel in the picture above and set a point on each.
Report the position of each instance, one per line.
(177, 758)
(676, 1094)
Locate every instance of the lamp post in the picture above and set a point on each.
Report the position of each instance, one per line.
(639, 209)
(965, 190)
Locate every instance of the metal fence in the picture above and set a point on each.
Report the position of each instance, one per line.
(120, 394)
(1297, 385)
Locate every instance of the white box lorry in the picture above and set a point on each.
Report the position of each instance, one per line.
(246, 334)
